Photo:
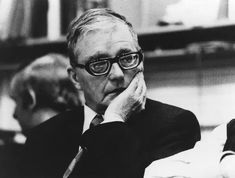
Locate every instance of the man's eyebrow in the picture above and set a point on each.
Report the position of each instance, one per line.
(101, 55)
(123, 51)
(97, 56)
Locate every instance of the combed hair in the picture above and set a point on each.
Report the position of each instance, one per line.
(88, 21)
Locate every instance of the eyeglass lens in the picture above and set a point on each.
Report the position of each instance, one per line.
(126, 62)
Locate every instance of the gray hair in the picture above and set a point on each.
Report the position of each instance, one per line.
(89, 21)
(48, 78)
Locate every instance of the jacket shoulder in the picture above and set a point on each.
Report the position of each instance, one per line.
(173, 117)
(167, 110)
(231, 128)
(60, 123)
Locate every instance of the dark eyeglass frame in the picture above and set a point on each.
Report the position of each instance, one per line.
(111, 61)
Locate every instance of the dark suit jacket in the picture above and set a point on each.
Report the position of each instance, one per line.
(114, 149)
(230, 142)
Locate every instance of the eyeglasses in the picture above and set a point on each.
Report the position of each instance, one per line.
(102, 66)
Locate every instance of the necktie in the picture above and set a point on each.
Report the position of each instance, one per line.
(95, 121)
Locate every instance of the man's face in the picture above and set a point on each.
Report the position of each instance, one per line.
(99, 91)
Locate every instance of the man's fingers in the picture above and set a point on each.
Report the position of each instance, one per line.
(140, 94)
(134, 83)
(141, 86)
(140, 105)
(130, 100)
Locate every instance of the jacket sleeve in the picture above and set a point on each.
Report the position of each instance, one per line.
(179, 134)
(230, 142)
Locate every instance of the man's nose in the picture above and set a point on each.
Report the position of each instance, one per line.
(116, 73)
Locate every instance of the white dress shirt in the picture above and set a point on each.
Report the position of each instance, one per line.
(89, 114)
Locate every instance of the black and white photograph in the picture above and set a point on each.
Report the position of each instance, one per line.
(117, 88)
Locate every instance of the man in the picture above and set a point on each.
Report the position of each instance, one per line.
(107, 64)
(41, 90)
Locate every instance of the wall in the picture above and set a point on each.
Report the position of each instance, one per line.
(208, 91)
(129, 8)
(142, 13)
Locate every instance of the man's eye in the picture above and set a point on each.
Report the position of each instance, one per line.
(129, 60)
(99, 66)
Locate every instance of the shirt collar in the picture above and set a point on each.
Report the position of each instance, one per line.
(89, 114)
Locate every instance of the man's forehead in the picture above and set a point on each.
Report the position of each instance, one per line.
(104, 26)
(101, 40)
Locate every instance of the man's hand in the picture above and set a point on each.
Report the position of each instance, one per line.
(130, 101)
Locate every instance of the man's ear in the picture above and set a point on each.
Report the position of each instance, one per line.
(74, 78)
(30, 98)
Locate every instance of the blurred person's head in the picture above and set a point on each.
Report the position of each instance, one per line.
(42, 89)
(104, 55)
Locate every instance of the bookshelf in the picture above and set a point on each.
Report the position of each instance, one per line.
(12, 53)
(34, 28)
(175, 37)
(29, 29)
(161, 45)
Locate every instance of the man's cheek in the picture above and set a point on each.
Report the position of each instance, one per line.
(137, 70)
